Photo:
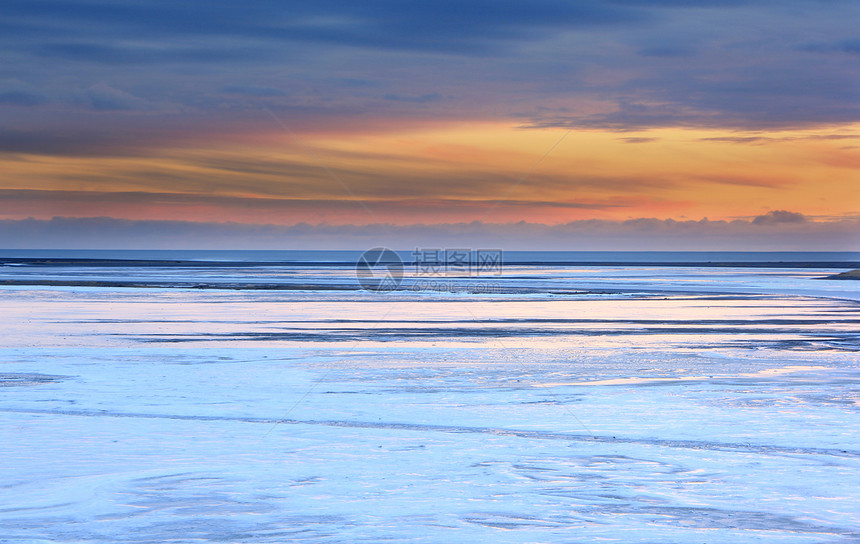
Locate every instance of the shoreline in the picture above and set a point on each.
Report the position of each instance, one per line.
(849, 275)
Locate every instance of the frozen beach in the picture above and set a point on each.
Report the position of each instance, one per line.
(569, 403)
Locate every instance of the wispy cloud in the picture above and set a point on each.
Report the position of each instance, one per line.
(15, 92)
(638, 140)
(655, 63)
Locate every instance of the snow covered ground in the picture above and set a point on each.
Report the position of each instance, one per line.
(689, 409)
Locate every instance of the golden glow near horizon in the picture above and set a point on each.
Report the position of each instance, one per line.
(489, 172)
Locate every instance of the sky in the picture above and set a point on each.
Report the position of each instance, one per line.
(666, 124)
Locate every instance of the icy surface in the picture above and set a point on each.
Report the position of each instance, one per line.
(171, 415)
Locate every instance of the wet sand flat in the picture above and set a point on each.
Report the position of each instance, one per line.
(148, 415)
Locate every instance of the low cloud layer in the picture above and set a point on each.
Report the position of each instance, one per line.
(776, 217)
(592, 235)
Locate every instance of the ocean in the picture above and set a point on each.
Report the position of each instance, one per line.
(437, 395)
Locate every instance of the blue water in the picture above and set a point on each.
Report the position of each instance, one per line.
(350, 256)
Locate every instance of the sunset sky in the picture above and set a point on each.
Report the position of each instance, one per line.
(691, 121)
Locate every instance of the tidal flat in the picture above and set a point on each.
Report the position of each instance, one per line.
(576, 404)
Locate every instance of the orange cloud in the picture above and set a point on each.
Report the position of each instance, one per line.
(488, 172)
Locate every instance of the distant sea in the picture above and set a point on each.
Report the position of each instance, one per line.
(512, 257)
